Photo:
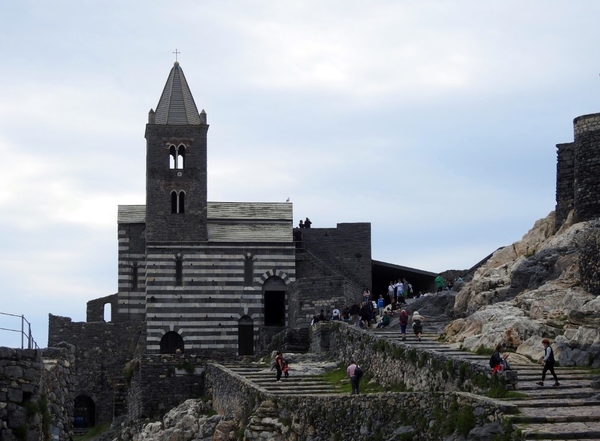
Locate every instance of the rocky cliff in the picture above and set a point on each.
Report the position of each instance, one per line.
(542, 286)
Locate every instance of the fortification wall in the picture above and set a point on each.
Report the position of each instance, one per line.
(101, 350)
(35, 393)
(577, 171)
(160, 382)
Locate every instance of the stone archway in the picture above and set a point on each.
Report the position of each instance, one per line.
(171, 342)
(246, 336)
(84, 412)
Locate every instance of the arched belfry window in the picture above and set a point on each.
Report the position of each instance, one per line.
(177, 202)
(176, 157)
(172, 158)
(180, 157)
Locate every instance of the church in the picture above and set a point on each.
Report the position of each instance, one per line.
(205, 279)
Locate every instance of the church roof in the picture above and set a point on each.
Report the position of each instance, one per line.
(176, 105)
(234, 221)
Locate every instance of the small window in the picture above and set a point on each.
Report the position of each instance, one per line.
(249, 270)
(177, 202)
(134, 276)
(178, 270)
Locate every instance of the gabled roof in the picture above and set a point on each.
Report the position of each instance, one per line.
(176, 105)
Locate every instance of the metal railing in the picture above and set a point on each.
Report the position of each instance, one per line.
(27, 340)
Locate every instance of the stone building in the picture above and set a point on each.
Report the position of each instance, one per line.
(203, 279)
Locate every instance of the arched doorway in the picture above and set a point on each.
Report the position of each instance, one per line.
(246, 336)
(84, 413)
(170, 342)
(274, 290)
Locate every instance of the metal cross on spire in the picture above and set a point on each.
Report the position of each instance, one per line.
(176, 53)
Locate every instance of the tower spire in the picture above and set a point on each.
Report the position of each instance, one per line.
(176, 105)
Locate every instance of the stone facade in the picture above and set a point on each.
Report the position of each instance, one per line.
(161, 382)
(35, 393)
(101, 352)
(578, 168)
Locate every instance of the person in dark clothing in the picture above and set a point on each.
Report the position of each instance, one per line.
(365, 315)
(498, 360)
(354, 312)
(307, 223)
(548, 361)
(279, 365)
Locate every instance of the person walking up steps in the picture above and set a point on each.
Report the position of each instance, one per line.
(355, 373)
(548, 361)
(403, 320)
(417, 324)
(279, 365)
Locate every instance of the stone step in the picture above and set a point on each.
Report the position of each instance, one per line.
(525, 403)
(582, 393)
(568, 430)
(557, 414)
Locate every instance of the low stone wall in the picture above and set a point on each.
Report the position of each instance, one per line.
(356, 417)
(161, 382)
(391, 363)
(34, 393)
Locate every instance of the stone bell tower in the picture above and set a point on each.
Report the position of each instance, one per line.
(176, 179)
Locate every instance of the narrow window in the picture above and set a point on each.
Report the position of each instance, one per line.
(107, 313)
(180, 157)
(248, 270)
(134, 276)
(173, 202)
(181, 205)
(178, 270)
(172, 157)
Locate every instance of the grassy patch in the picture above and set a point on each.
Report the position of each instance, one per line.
(482, 350)
(340, 380)
(93, 432)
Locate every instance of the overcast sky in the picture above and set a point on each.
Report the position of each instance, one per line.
(436, 121)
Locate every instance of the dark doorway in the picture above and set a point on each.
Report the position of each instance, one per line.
(84, 413)
(246, 336)
(274, 306)
(170, 343)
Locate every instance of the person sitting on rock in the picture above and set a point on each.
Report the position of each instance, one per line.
(498, 361)
(385, 320)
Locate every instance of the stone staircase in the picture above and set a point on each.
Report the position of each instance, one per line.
(297, 384)
(570, 411)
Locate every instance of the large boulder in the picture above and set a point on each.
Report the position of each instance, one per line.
(532, 290)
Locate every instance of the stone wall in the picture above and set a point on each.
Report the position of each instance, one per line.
(391, 363)
(160, 382)
(309, 295)
(577, 171)
(565, 180)
(101, 350)
(357, 417)
(35, 399)
(57, 382)
(345, 249)
(96, 311)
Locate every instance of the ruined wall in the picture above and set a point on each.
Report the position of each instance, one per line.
(160, 382)
(565, 181)
(35, 400)
(102, 350)
(96, 311)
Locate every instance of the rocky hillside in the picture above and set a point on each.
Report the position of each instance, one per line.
(545, 285)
